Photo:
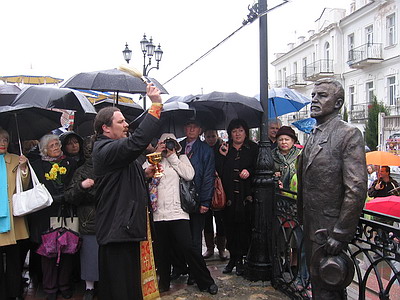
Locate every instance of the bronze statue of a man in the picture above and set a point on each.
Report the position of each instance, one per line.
(332, 181)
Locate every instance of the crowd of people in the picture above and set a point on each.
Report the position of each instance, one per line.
(103, 187)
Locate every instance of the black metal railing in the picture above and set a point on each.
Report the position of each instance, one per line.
(374, 251)
(320, 68)
(295, 80)
(369, 51)
(359, 111)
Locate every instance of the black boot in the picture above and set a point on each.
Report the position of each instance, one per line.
(231, 264)
(239, 266)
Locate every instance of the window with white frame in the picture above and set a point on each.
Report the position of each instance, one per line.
(351, 97)
(284, 77)
(369, 87)
(391, 29)
(279, 78)
(350, 45)
(369, 35)
(325, 67)
(391, 81)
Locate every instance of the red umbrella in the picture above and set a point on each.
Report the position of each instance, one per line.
(389, 205)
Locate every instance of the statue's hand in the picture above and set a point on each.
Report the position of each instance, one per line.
(333, 247)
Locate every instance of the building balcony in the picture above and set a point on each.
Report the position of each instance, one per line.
(319, 69)
(296, 80)
(279, 84)
(365, 55)
(359, 112)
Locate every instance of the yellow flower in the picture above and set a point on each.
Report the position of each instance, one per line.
(47, 176)
(56, 166)
(63, 170)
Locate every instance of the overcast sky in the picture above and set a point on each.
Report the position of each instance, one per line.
(62, 38)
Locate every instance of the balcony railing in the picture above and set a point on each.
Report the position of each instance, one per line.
(359, 112)
(319, 69)
(279, 84)
(296, 80)
(365, 55)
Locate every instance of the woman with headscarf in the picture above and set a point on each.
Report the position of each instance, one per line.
(235, 164)
(13, 230)
(55, 171)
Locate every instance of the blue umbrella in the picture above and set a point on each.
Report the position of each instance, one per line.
(305, 125)
(282, 101)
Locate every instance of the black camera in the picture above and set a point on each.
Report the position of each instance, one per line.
(170, 144)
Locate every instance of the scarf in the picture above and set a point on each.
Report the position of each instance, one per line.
(287, 164)
(5, 221)
(53, 159)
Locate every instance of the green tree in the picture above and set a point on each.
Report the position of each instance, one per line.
(345, 113)
(371, 127)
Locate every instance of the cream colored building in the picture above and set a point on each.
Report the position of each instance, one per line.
(359, 47)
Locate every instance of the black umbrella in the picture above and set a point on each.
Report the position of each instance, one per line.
(130, 110)
(8, 92)
(184, 99)
(28, 122)
(62, 98)
(228, 106)
(215, 110)
(174, 116)
(112, 80)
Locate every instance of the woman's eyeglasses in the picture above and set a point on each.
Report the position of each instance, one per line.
(54, 146)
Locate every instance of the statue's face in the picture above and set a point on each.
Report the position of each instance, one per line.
(324, 101)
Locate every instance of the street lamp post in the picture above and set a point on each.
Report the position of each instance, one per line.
(259, 258)
(149, 50)
(127, 53)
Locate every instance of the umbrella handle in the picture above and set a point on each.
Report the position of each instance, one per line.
(273, 104)
(19, 138)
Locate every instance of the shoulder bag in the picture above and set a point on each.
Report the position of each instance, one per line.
(26, 202)
(219, 198)
(188, 195)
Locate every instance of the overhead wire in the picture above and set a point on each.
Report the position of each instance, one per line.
(251, 17)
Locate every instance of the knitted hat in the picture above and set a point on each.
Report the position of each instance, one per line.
(286, 130)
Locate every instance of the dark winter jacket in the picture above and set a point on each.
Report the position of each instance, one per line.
(202, 159)
(84, 199)
(122, 195)
(238, 191)
(39, 221)
(387, 187)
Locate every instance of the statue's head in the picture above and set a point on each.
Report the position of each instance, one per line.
(327, 99)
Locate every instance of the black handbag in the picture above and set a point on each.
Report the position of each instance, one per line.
(189, 196)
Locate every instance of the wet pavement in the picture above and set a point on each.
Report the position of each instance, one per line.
(230, 286)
